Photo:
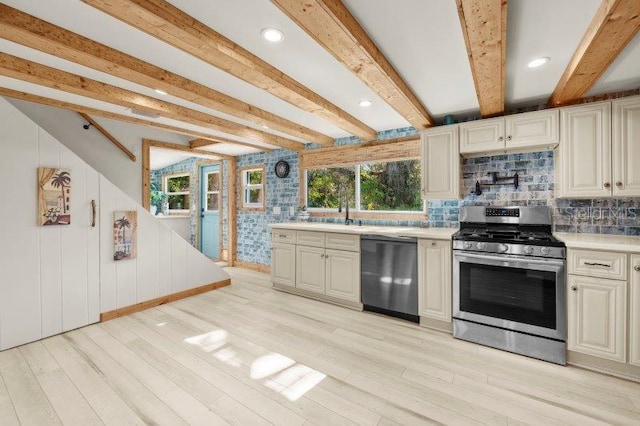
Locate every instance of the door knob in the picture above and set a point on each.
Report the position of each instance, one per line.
(574, 288)
(636, 268)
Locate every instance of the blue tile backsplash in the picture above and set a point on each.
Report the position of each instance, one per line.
(535, 169)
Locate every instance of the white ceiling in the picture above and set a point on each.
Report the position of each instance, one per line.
(160, 158)
(422, 39)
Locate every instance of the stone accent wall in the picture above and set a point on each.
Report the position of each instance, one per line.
(254, 235)
(189, 165)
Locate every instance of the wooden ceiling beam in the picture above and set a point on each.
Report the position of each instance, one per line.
(331, 24)
(484, 27)
(35, 33)
(22, 69)
(198, 143)
(615, 24)
(184, 148)
(171, 25)
(108, 135)
(15, 94)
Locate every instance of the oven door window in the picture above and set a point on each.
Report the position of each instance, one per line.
(521, 295)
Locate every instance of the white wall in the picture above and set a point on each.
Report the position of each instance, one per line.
(56, 278)
(94, 148)
(180, 225)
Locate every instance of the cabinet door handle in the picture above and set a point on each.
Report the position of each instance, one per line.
(618, 184)
(326, 256)
(636, 268)
(322, 255)
(607, 185)
(433, 244)
(604, 265)
(509, 137)
(500, 138)
(574, 288)
(93, 213)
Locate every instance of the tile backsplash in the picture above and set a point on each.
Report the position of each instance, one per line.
(536, 176)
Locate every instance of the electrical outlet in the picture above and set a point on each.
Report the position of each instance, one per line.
(276, 210)
(291, 211)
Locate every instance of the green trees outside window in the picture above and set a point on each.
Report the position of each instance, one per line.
(381, 186)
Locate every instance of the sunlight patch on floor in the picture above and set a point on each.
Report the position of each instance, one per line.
(210, 341)
(277, 372)
(268, 365)
(295, 381)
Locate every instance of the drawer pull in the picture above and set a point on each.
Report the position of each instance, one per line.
(604, 265)
(636, 268)
(282, 236)
(574, 288)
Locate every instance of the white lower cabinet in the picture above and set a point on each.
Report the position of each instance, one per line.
(434, 279)
(324, 263)
(283, 270)
(342, 274)
(597, 312)
(634, 315)
(310, 269)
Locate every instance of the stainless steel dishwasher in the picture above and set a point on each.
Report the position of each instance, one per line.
(389, 275)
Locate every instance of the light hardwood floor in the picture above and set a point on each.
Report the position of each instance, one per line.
(247, 354)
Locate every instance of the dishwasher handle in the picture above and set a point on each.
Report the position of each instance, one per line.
(376, 237)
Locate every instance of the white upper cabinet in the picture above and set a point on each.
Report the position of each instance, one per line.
(626, 147)
(532, 129)
(482, 136)
(440, 163)
(600, 151)
(583, 158)
(538, 129)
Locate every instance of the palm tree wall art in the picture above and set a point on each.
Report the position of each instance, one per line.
(54, 196)
(125, 228)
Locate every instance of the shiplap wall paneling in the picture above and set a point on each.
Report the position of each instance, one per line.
(20, 313)
(76, 276)
(178, 263)
(164, 252)
(126, 270)
(148, 256)
(108, 275)
(50, 253)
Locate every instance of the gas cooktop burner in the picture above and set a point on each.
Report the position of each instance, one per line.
(523, 231)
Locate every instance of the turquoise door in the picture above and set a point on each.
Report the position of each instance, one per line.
(210, 211)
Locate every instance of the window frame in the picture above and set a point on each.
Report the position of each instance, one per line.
(358, 201)
(218, 192)
(246, 187)
(165, 189)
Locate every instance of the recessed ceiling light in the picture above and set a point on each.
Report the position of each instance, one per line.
(272, 35)
(365, 103)
(264, 126)
(538, 62)
(160, 92)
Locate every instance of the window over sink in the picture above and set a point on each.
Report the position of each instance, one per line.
(392, 186)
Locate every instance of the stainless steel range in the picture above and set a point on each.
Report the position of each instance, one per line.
(509, 281)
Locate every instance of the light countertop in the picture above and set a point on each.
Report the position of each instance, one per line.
(621, 243)
(394, 231)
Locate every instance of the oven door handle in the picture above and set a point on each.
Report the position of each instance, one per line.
(520, 261)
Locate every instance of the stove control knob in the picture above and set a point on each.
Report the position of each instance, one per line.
(481, 246)
(503, 248)
(466, 245)
(545, 251)
(528, 250)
